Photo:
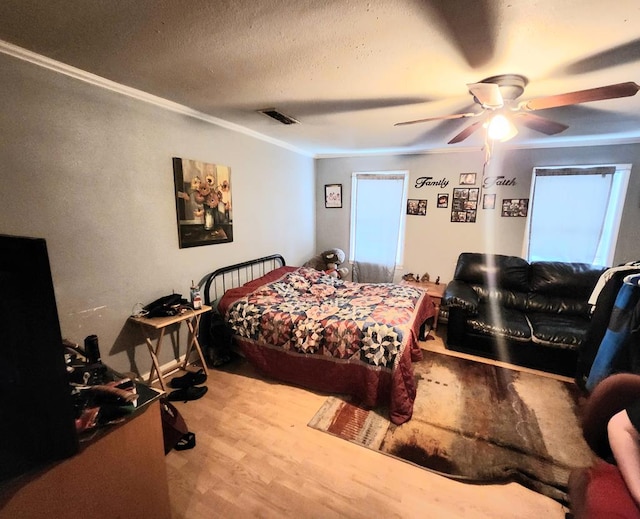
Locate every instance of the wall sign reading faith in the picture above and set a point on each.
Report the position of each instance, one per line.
(429, 182)
(500, 180)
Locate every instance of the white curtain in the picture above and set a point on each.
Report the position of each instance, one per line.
(571, 214)
(377, 223)
(372, 272)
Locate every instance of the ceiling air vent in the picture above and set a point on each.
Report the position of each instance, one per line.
(278, 116)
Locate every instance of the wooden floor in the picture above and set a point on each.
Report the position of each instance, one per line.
(256, 457)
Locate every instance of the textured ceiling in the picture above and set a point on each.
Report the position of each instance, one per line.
(348, 69)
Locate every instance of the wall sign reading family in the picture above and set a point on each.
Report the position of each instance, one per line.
(203, 202)
(429, 182)
(333, 195)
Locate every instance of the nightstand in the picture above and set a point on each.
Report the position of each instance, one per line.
(436, 292)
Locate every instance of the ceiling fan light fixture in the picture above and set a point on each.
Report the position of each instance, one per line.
(497, 96)
(501, 128)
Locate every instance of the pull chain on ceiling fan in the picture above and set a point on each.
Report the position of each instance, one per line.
(497, 95)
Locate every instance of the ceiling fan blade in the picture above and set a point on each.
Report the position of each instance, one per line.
(620, 55)
(471, 25)
(582, 96)
(487, 94)
(440, 118)
(540, 124)
(466, 132)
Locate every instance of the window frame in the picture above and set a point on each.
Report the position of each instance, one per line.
(400, 174)
(613, 215)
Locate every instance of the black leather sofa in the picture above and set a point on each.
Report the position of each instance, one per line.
(531, 314)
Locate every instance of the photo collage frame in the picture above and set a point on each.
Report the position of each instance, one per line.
(464, 204)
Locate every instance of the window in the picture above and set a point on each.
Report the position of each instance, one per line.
(575, 213)
(377, 224)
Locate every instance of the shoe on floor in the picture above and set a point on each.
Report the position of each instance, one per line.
(188, 441)
(192, 378)
(187, 393)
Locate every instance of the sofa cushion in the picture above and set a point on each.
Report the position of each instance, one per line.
(508, 272)
(501, 297)
(554, 278)
(509, 323)
(537, 302)
(558, 330)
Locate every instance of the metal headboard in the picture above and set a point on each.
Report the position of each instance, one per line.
(232, 276)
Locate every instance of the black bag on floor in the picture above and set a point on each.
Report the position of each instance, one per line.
(218, 346)
(174, 428)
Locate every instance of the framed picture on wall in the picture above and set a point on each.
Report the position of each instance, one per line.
(333, 195)
(465, 204)
(467, 179)
(443, 200)
(417, 207)
(489, 201)
(514, 207)
(203, 202)
(460, 193)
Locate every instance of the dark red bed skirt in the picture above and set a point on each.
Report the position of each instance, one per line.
(368, 386)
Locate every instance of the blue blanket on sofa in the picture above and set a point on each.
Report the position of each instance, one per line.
(625, 317)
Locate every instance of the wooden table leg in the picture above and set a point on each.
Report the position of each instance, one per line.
(154, 352)
(436, 304)
(194, 326)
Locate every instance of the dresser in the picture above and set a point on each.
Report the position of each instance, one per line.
(119, 473)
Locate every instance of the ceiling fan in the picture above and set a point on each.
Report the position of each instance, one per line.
(497, 97)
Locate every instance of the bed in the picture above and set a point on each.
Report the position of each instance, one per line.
(301, 326)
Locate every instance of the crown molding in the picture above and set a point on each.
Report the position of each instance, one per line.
(107, 84)
(573, 142)
(397, 151)
(98, 81)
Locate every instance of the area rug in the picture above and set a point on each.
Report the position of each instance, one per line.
(477, 423)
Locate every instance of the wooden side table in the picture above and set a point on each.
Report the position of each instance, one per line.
(159, 325)
(436, 292)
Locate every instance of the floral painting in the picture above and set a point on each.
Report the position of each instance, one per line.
(203, 202)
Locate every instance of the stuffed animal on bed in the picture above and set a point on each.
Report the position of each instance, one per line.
(329, 262)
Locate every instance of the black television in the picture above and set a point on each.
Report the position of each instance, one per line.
(37, 419)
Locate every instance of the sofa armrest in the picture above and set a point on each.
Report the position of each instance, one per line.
(611, 395)
(460, 295)
(599, 492)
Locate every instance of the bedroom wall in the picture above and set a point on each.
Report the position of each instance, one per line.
(433, 242)
(90, 171)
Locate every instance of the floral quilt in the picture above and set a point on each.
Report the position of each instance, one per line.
(308, 312)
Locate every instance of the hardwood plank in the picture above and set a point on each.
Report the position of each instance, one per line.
(256, 457)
